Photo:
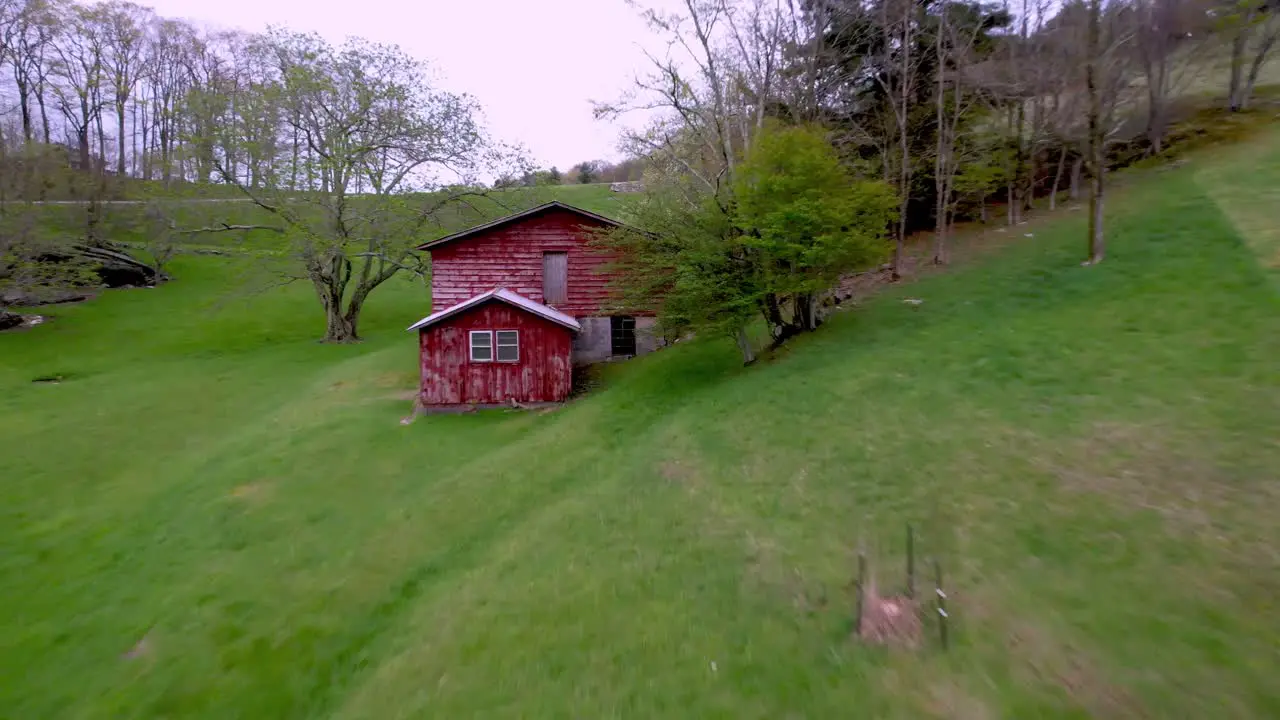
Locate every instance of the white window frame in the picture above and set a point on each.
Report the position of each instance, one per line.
(471, 346)
(495, 346)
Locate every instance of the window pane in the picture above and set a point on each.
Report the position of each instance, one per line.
(482, 346)
(508, 345)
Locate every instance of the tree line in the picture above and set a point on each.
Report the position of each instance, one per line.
(925, 112)
(348, 151)
(950, 105)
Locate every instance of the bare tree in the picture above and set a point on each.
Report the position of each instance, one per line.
(79, 71)
(1252, 19)
(365, 115)
(897, 23)
(32, 32)
(1167, 38)
(1097, 132)
(959, 27)
(124, 26)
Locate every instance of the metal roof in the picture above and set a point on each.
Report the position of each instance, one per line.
(554, 204)
(505, 295)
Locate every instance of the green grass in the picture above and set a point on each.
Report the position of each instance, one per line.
(214, 516)
(129, 224)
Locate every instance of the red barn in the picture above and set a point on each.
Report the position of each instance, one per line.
(515, 304)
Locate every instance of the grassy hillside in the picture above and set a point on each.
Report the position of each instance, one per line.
(214, 516)
(129, 222)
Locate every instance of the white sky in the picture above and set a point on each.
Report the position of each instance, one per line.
(534, 65)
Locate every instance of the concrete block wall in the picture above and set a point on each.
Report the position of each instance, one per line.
(594, 343)
(647, 337)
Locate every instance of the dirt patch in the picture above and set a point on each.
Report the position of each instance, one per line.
(893, 620)
(144, 648)
(254, 492)
(395, 380)
(674, 471)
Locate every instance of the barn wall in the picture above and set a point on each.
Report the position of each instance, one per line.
(544, 372)
(511, 256)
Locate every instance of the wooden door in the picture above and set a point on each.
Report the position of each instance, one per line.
(555, 277)
(452, 365)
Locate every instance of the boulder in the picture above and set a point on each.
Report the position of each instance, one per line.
(9, 320)
(117, 269)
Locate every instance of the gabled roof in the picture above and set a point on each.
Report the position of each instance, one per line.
(508, 297)
(553, 205)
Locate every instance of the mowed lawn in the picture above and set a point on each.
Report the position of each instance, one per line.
(214, 516)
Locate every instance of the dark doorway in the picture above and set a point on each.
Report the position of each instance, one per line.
(623, 330)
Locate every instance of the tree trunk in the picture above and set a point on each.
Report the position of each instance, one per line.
(82, 143)
(904, 188)
(940, 155)
(804, 315)
(120, 171)
(744, 346)
(133, 142)
(1096, 137)
(352, 314)
(1268, 40)
(44, 114)
(1077, 168)
(24, 106)
(773, 317)
(339, 328)
(904, 146)
(1238, 45)
(1020, 183)
(102, 145)
(1097, 244)
(1155, 116)
(1057, 179)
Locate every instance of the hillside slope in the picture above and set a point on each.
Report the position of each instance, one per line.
(214, 516)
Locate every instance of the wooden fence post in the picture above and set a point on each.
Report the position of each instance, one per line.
(911, 561)
(941, 599)
(861, 590)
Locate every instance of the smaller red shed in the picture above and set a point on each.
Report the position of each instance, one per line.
(494, 348)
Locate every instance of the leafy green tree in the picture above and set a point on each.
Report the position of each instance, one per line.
(554, 177)
(806, 221)
(792, 222)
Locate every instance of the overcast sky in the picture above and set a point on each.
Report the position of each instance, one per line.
(534, 65)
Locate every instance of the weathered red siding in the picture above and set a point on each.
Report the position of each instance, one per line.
(510, 256)
(544, 372)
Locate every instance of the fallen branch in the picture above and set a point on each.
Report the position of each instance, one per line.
(224, 227)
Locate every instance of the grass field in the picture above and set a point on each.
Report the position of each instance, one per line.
(130, 222)
(214, 516)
